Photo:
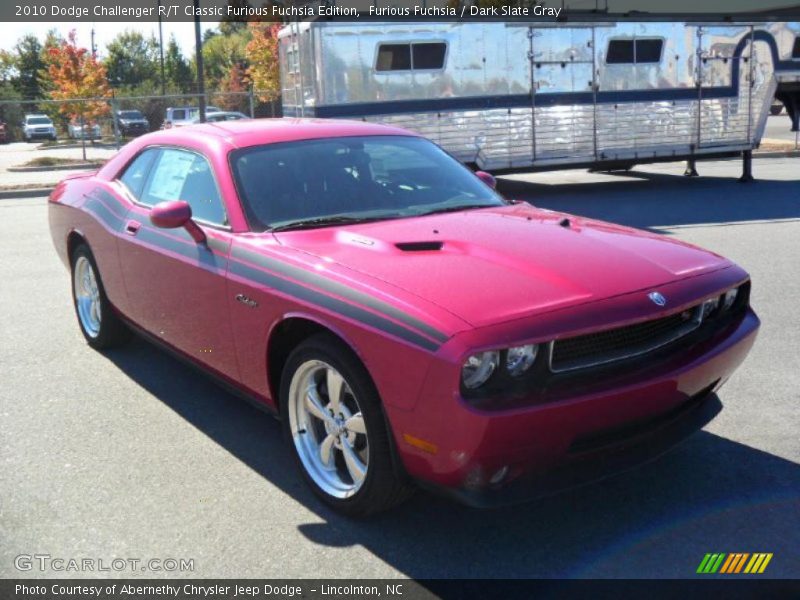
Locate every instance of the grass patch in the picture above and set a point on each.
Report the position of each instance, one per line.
(52, 161)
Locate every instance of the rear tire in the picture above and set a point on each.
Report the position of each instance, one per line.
(97, 319)
(333, 418)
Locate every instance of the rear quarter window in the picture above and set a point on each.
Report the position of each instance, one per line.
(135, 174)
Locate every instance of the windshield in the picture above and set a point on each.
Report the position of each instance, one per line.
(39, 121)
(130, 114)
(359, 178)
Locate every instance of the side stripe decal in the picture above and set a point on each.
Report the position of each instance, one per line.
(403, 326)
(338, 289)
(307, 294)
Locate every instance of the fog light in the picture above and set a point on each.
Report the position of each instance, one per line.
(520, 358)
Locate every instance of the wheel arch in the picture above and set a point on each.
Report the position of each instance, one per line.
(74, 239)
(289, 332)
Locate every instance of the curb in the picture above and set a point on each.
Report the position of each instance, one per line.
(73, 167)
(26, 193)
(776, 154)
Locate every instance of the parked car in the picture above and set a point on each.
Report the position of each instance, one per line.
(184, 115)
(38, 127)
(222, 115)
(132, 123)
(89, 131)
(3, 133)
(404, 321)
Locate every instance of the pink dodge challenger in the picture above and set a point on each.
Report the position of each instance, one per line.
(404, 321)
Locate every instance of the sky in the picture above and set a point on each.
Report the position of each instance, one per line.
(104, 32)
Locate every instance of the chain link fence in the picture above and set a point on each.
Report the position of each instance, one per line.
(125, 117)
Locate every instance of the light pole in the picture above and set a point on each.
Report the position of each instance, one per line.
(198, 43)
(161, 50)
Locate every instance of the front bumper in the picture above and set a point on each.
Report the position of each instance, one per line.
(603, 428)
(133, 129)
(31, 135)
(631, 448)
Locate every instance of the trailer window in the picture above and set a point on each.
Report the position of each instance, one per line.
(634, 51)
(619, 52)
(407, 57)
(394, 57)
(428, 56)
(796, 48)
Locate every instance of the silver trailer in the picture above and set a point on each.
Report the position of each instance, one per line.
(506, 96)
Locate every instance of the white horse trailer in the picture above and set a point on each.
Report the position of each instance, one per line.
(507, 96)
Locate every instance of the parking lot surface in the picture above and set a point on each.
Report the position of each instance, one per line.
(20, 153)
(132, 454)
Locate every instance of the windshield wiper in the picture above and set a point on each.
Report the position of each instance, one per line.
(327, 221)
(457, 208)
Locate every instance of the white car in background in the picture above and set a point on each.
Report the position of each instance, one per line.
(88, 131)
(38, 127)
(222, 115)
(184, 115)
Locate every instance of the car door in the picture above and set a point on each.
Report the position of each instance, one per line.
(176, 287)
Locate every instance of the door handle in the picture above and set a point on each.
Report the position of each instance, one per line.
(132, 227)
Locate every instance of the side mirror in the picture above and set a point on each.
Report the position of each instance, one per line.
(176, 213)
(487, 178)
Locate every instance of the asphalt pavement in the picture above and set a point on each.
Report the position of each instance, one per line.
(132, 454)
(779, 127)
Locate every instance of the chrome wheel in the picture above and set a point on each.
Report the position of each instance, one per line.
(87, 296)
(328, 429)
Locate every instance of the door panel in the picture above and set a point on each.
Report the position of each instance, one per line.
(177, 288)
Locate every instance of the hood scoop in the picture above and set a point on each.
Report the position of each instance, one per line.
(419, 246)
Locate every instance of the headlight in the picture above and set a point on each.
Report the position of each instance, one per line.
(478, 368)
(729, 298)
(520, 358)
(709, 306)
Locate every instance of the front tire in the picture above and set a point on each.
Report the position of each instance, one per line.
(98, 322)
(333, 418)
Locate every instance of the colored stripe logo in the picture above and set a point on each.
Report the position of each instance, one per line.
(733, 563)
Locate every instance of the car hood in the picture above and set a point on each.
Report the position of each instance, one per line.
(490, 265)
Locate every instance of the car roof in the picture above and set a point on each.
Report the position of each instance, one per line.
(219, 138)
(253, 132)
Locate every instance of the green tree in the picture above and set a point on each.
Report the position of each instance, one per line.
(221, 53)
(131, 59)
(29, 64)
(178, 72)
(8, 66)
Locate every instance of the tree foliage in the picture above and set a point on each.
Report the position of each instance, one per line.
(75, 74)
(29, 63)
(221, 53)
(132, 59)
(178, 72)
(262, 55)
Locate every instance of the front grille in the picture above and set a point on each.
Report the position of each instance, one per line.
(623, 342)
